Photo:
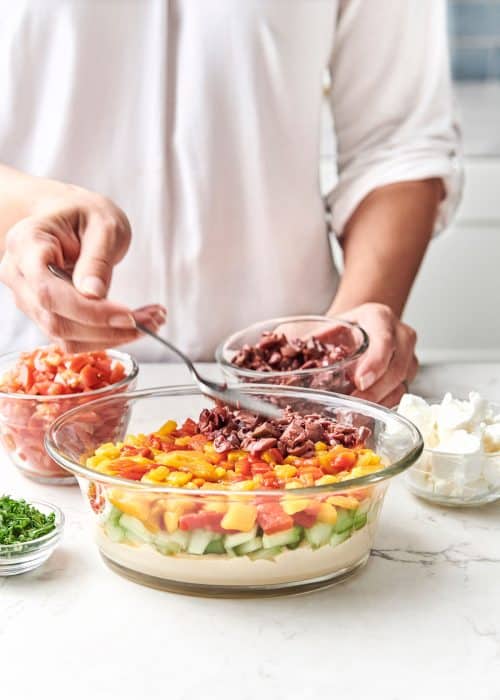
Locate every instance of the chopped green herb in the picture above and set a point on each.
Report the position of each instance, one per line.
(20, 522)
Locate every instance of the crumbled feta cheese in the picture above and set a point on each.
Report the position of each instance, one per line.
(460, 437)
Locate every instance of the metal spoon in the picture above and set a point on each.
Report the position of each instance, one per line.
(214, 390)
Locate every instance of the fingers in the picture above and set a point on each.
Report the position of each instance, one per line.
(381, 328)
(402, 367)
(104, 240)
(152, 316)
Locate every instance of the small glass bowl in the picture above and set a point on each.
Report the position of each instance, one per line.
(26, 556)
(25, 419)
(336, 377)
(136, 524)
(456, 479)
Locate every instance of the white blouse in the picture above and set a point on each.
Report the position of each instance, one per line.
(201, 119)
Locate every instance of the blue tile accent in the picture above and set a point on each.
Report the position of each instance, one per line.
(474, 27)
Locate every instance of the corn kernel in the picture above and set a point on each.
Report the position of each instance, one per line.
(178, 478)
(219, 472)
(326, 479)
(294, 484)
(247, 485)
(320, 446)
(235, 455)
(285, 471)
(156, 475)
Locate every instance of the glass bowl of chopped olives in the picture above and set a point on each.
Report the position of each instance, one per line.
(316, 352)
(29, 533)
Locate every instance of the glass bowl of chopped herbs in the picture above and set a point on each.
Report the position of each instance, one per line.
(29, 533)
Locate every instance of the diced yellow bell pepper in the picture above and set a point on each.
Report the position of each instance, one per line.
(216, 505)
(108, 449)
(239, 516)
(290, 459)
(171, 521)
(347, 502)
(167, 428)
(219, 472)
(137, 506)
(285, 471)
(294, 505)
(327, 513)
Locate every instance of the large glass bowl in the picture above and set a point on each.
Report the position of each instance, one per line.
(336, 377)
(25, 419)
(135, 523)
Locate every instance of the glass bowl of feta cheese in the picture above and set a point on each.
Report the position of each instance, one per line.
(460, 465)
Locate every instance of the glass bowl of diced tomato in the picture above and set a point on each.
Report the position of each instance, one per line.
(38, 386)
(196, 498)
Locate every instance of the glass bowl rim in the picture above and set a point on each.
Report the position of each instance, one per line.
(342, 401)
(255, 373)
(114, 354)
(434, 401)
(38, 542)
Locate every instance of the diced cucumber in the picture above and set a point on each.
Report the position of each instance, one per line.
(215, 547)
(171, 543)
(265, 553)
(134, 527)
(250, 546)
(359, 520)
(114, 531)
(319, 534)
(232, 541)
(286, 537)
(113, 515)
(294, 545)
(199, 541)
(344, 520)
(338, 538)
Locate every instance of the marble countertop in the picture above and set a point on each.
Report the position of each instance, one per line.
(422, 620)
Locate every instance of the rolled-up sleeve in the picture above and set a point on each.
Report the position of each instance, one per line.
(392, 102)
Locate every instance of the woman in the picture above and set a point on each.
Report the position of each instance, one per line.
(200, 120)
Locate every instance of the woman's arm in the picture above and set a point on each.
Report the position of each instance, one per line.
(399, 177)
(378, 277)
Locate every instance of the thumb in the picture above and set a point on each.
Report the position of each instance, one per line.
(101, 246)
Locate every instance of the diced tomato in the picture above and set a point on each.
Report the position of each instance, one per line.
(26, 377)
(345, 461)
(242, 466)
(270, 480)
(189, 427)
(272, 518)
(129, 451)
(198, 442)
(130, 469)
(89, 377)
(209, 520)
(78, 362)
(259, 467)
(117, 373)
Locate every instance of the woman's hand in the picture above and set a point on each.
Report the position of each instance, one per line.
(382, 374)
(389, 364)
(86, 233)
